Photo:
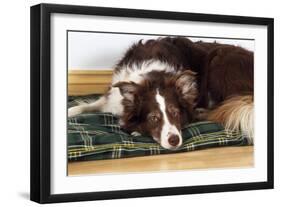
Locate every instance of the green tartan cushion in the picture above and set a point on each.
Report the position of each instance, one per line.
(97, 136)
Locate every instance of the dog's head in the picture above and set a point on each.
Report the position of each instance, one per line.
(159, 106)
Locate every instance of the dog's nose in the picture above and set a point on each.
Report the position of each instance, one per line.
(174, 140)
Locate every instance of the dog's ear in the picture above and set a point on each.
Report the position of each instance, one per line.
(128, 90)
(186, 85)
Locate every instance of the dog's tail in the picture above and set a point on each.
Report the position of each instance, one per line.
(236, 113)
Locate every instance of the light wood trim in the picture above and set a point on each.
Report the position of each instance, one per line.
(83, 82)
(220, 157)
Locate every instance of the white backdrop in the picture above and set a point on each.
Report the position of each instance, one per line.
(14, 84)
(88, 50)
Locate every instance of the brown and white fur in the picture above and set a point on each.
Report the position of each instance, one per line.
(227, 88)
(157, 85)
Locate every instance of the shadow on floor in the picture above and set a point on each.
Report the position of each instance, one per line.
(24, 195)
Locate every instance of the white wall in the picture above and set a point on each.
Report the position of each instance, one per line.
(88, 50)
(14, 86)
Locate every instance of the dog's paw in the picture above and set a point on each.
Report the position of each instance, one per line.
(201, 114)
(136, 134)
(74, 111)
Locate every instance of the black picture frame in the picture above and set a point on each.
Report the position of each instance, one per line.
(41, 98)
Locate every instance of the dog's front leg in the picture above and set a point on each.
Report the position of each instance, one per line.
(76, 110)
(87, 107)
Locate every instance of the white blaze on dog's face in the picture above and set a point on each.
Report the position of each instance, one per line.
(159, 107)
(170, 136)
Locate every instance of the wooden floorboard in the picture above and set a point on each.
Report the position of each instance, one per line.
(224, 157)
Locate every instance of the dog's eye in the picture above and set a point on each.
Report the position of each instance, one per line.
(175, 113)
(153, 119)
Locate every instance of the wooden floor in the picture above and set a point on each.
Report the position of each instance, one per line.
(226, 157)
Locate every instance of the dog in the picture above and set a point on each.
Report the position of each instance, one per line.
(162, 84)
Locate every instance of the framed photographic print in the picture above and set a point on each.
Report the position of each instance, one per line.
(132, 103)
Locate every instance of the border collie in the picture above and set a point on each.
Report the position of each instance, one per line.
(160, 85)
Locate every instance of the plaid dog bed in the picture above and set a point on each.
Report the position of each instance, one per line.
(98, 136)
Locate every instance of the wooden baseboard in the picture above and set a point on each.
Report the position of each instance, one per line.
(83, 82)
